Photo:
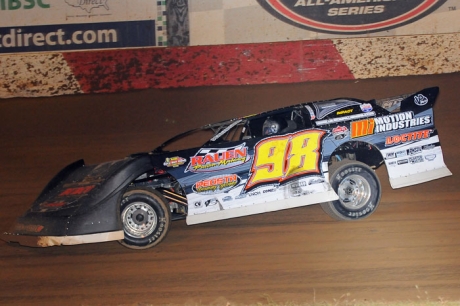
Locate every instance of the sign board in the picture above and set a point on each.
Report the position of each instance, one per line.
(49, 25)
(350, 16)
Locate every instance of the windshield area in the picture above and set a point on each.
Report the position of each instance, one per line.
(252, 127)
(232, 130)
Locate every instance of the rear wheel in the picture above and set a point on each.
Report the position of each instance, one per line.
(358, 188)
(146, 218)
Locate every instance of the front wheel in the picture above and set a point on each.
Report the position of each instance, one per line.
(146, 218)
(358, 188)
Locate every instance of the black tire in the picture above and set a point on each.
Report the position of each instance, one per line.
(146, 218)
(358, 188)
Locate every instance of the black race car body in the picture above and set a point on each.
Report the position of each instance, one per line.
(318, 152)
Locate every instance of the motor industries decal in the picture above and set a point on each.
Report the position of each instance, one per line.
(217, 159)
(350, 16)
(388, 123)
(282, 158)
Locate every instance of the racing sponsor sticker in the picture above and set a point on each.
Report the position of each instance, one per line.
(366, 107)
(350, 16)
(216, 184)
(403, 138)
(416, 159)
(340, 132)
(415, 151)
(216, 159)
(281, 158)
(430, 157)
(420, 100)
(174, 161)
(389, 123)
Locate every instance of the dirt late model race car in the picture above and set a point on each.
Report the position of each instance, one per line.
(320, 152)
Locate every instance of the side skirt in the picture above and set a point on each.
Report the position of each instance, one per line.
(263, 207)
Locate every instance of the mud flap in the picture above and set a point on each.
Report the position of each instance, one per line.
(415, 163)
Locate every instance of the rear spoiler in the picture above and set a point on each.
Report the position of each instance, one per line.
(416, 102)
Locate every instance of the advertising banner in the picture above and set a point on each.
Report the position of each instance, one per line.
(259, 21)
(49, 25)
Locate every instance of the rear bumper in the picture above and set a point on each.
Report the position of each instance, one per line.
(46, 241)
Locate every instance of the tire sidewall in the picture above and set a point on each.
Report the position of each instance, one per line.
(163, 219)
(367, 174)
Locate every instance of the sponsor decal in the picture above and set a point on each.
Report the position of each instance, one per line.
(428, 147)
(325, 108)
(216, 184)
(390, 155)
(366, 107)
(393, 163)
(210, 202)
(174, 161)
(197, 204)
(430, 157)
(415, 151)
(403, 161)
(415, 159)
(403, 138)
(399, 121)
(317, 180)
(298, 184)
(420, 100)
(345, 112)
(340, 132)
(77, 191)
(402, 153)
(393, 122)
(350, 16)
(227, 198)
(362, 128)
(216, 159)
(281, 158)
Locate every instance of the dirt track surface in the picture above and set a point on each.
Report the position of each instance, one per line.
(296, 255)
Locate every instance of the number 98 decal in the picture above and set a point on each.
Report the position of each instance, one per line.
(281, 158)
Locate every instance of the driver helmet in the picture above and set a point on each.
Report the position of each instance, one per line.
(270, 127)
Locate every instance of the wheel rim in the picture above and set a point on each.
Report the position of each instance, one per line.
(139, 219)
(354, 192)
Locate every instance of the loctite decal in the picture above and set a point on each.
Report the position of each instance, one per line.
(216, 159)
(281, 158)
(403, 138)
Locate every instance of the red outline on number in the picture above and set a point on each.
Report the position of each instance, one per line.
(283, 10)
